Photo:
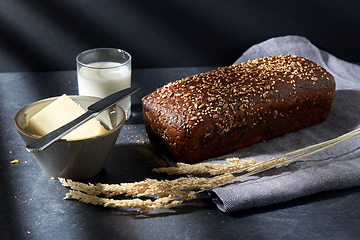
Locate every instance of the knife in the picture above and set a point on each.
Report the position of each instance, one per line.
(92, 111)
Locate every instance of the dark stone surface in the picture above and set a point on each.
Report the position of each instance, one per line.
(32, 205)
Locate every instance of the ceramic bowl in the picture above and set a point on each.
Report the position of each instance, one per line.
(74, 159)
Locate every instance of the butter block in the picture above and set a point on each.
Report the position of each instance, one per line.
(60, 112)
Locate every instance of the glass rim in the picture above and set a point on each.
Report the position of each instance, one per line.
(103, 49)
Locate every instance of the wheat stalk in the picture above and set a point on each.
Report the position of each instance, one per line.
(165, 194)
(291, 157)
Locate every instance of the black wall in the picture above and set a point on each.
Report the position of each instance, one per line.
(47, 35)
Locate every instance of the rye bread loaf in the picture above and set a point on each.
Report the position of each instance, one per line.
(215, 112)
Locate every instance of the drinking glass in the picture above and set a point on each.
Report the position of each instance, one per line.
(103, 71)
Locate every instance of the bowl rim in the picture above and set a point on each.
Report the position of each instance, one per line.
(29, 134)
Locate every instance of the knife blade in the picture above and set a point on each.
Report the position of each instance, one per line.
(92, 111)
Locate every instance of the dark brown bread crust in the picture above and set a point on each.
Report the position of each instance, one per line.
(212, 113)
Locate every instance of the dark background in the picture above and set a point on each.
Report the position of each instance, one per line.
(47, 35)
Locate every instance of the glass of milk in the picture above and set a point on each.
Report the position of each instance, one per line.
(103, 71)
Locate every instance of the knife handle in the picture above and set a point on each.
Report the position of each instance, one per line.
(43, 142)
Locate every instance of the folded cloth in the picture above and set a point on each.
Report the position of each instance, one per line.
(335, 168)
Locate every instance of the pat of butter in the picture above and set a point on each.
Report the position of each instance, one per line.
(60, 112)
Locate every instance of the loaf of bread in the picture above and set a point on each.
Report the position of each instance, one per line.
(215, 112)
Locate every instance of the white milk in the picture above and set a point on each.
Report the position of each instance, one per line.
(101, 79)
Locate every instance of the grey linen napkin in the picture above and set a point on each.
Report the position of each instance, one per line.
(335, 168)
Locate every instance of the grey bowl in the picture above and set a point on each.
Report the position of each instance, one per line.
(74, 159)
